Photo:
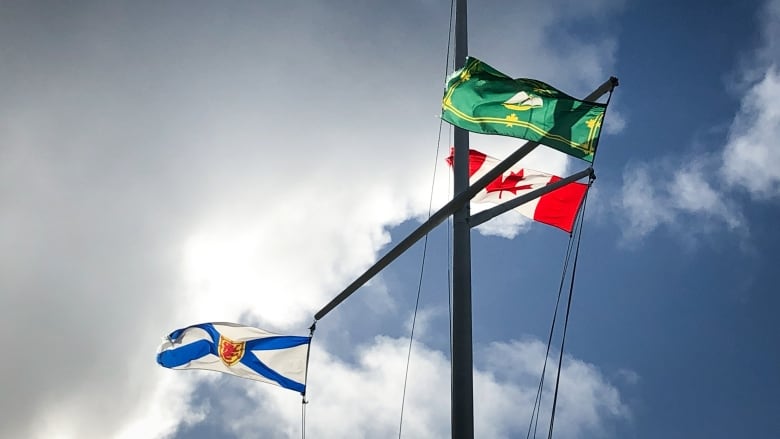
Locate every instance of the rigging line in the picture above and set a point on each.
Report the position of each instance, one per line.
(411, 336)
(419, 290)
(449, 266)
(540, 389)
(571, 288)
(425, 243)
(614, 83)
(603, 118)
(449, 263)
(568, 308)
(312, 328)
(538, 401)
(303, 419)
(449, 185)
(571, 240)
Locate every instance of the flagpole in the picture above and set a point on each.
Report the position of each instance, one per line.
(462, 379)
(457, 202)
(462, 388)
(437, 218)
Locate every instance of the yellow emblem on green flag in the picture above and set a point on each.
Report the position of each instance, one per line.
(483, 100)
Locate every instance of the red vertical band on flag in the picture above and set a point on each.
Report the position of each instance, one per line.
(476, 159)
(559, 208)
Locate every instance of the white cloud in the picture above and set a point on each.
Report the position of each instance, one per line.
(507, 225)
(364, 399)
(615, 121)
(422, 322)
(586, 400)
(648, 200)
(164, 166)
(629, 376)
(752, 151)
(704, 189)
(167, 410)
(641, 203)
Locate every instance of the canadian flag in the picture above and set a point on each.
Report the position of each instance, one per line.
(558, 208)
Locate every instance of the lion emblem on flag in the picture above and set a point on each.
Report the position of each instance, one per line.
(230, 352)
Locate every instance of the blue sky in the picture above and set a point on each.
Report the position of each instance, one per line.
(168, 164)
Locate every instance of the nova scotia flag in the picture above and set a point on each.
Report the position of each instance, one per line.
(238, 350)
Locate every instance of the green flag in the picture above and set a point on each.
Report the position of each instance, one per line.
(483, 100)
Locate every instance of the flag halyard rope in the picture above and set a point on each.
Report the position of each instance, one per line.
(568, 308)
(573, 246)
(425, 242)
(312, 328)
(534, 422)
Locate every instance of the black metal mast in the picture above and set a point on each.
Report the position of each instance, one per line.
(462, 390)
(462, 387)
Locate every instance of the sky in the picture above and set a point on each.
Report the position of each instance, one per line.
(169, 163)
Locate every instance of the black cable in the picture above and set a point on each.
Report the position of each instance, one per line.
(305, 381)
(538, 401)
(574, 269)
(303, 418)
(603, 118)
(425, 242)
(568, 310)
(449, 218)
(411, 336)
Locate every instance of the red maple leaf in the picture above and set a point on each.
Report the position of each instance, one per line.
(509, 183)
